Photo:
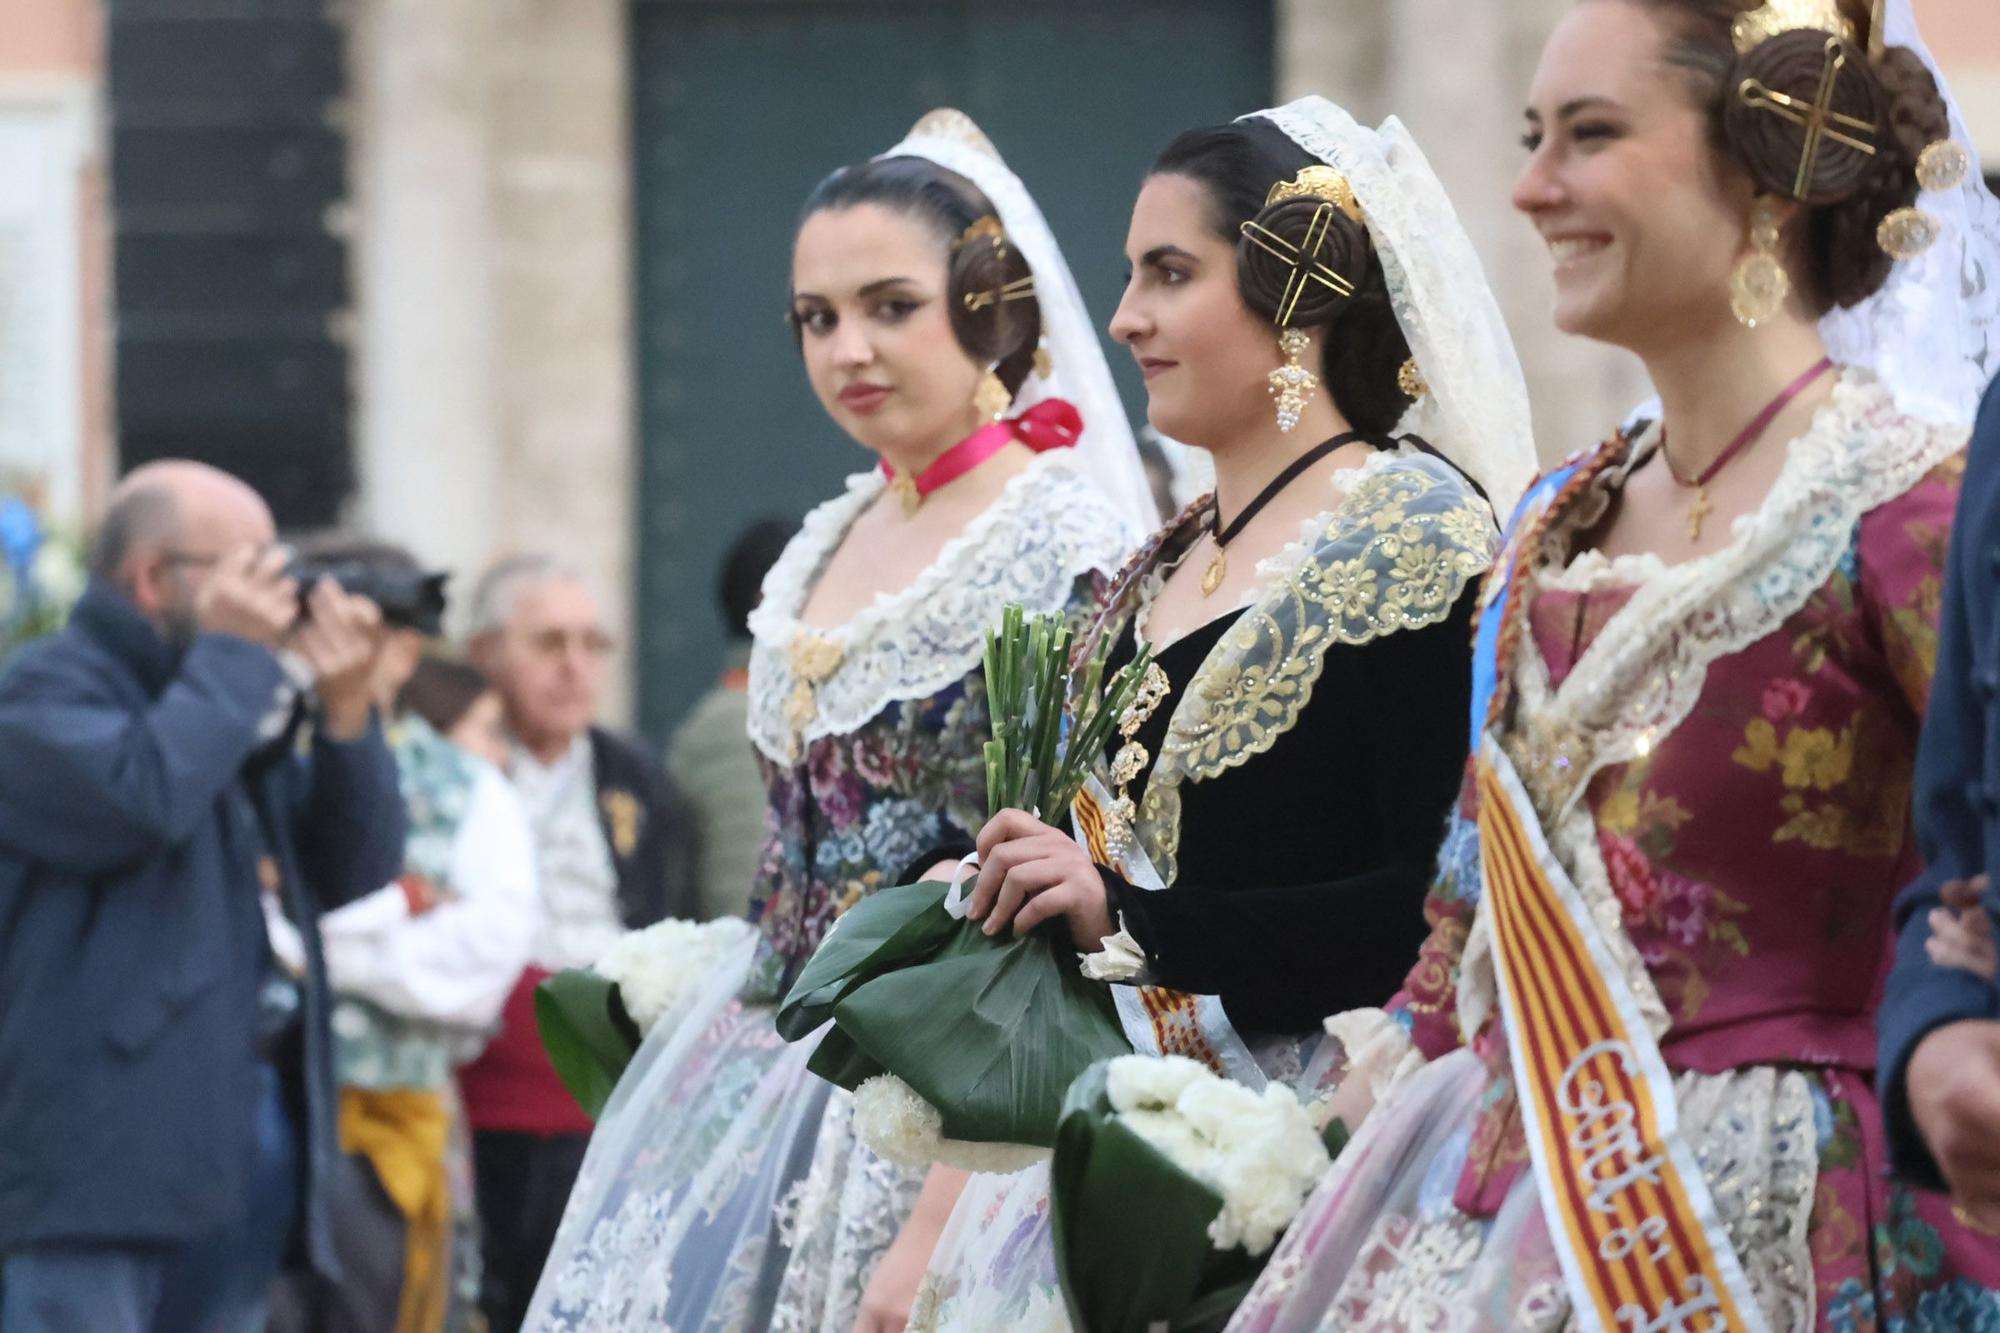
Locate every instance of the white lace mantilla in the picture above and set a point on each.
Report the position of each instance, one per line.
(1048, 527)
(1643, 673)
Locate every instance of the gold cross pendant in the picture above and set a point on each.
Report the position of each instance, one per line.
(1697, 512)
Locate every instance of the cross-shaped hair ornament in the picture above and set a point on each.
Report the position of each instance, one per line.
(1306, 265)
(1820, 120)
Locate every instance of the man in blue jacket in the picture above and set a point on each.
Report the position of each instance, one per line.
(166, 1099)
(1940, 1041)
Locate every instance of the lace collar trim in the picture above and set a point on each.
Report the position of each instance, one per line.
(1048, 527)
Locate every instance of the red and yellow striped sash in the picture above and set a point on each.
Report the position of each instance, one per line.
(1642, 1246)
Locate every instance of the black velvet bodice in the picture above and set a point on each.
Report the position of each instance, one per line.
(1302, 872)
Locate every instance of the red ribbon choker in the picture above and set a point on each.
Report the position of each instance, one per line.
(1053, 423)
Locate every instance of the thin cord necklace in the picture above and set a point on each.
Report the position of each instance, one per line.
(1756, 428)
(1218, 568)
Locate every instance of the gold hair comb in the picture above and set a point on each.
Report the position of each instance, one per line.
(1317, 182)
(1760, 25)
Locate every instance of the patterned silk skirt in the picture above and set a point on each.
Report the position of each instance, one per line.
(1794, 1159)
(724, 1191)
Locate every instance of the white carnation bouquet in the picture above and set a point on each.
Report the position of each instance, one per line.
(592, 1019)
(1259, 1150)
(658, 967)
(1171, 1186)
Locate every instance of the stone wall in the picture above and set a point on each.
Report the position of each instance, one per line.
(55, 390)
(492, 282)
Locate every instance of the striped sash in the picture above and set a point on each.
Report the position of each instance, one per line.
(1642, 1247)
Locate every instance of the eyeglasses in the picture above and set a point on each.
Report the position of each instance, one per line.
(192, 558)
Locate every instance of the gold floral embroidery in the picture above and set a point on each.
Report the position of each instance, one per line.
(1811, 758)
(856, 890)
(1395, 555)
(812, 657)
(1840, 793)
(1132, 757)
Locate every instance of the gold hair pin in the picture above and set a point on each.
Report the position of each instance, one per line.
(1020, 289)
(1908, 232)
(986, 227)
(1306, 265)
(1820, 120)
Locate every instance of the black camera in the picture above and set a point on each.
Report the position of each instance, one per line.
(409, 598)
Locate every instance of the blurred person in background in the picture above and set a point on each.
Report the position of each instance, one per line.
(167, 1123)
(613, 849)
(710, 757)
(420, 970)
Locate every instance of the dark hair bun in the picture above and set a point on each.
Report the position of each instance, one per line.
(1768, 135)
(993, 308)
(1293, 232)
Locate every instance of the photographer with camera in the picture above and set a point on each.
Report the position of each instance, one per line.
(166, 1086)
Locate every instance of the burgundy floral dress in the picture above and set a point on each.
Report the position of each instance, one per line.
(1725, 751)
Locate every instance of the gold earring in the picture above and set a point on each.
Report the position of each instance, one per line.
(991, 399)
(1292, 384)
(1759, 285)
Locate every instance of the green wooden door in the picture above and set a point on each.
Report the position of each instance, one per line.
(740, 107)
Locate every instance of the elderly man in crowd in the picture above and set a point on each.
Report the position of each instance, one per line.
(166, 1091)
(613, 851)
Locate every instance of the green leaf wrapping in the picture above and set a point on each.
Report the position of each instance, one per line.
(1131, 1228)
(840, 1062)
(889, 928)
(990, 1031)
(587, 1034)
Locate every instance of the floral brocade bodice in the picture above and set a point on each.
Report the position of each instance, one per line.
(1722, 750)
(871, 735)
(1777, 813)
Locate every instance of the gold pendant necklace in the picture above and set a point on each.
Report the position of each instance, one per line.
(1217, 571)
(1221, 534)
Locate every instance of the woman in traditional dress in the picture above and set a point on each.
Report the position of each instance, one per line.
(1629, 1085)
(1300, 293)
(941, 329)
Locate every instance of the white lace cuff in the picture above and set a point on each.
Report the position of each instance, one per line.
(1378, 1049)
(1118, 959)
